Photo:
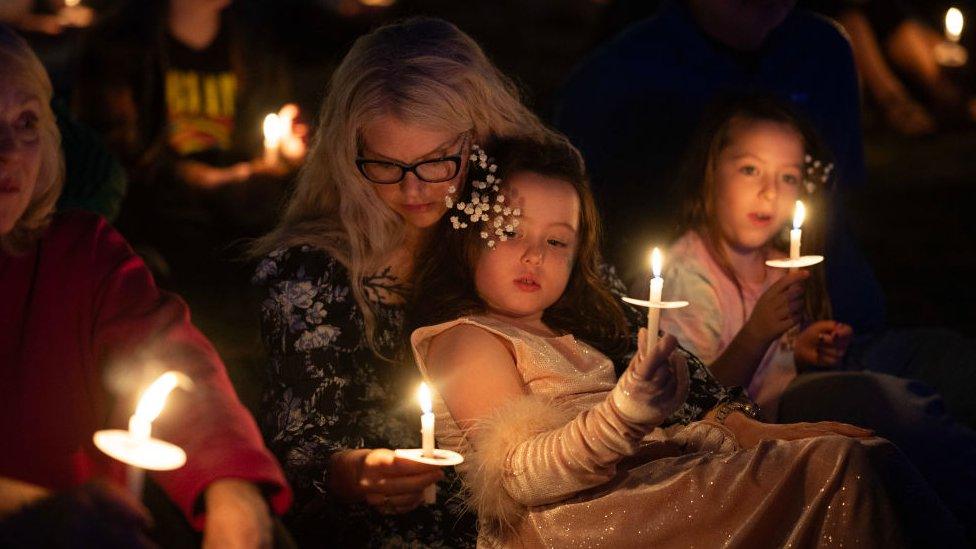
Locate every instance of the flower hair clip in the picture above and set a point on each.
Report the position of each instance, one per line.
(815, 173)
(485, 208)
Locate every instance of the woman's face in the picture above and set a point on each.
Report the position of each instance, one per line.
(758, 178)
(389, 139)
(20, 157)
(523, 276)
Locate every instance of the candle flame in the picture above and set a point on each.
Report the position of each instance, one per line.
(799, 214)
(71, 3)
(953, 23)
(273, 129)
(656, 262)
(152, 400)
(423, 396)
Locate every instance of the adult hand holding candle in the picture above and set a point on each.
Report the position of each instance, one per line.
(136, 447)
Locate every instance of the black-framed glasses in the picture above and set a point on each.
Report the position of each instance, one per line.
(435, 170)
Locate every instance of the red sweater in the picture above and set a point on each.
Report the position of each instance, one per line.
(83, 328)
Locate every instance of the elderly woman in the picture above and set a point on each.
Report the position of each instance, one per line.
(83, 327)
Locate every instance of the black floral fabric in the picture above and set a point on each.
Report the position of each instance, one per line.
(327, 391)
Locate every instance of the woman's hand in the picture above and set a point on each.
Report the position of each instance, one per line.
(658, 384)
(823, 343)
(749, 432)
(778, 309)
(388, 483)
(237, 516)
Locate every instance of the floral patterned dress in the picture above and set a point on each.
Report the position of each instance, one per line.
(327, 391)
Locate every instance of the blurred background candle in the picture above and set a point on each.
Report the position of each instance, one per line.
(949, 53)
(427, 435)
(272, 138)
(657, 286)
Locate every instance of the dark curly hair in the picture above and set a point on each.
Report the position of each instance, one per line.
(444, 274)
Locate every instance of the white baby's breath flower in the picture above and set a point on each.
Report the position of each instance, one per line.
(491, 243)
(517, 211)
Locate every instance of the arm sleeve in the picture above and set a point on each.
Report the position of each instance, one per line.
(139, 331)
(697, 327)
(311, 327)
(539, 453)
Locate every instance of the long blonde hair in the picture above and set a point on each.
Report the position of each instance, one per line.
(19, 66)
(422, 70)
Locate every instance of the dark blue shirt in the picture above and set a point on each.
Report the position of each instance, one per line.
(633, 107)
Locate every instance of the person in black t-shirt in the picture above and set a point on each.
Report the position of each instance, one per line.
(181, 101)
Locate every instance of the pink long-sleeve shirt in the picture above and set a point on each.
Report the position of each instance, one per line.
(716, 314)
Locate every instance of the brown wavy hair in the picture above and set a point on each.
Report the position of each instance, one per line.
(698, 183)
(444, 278)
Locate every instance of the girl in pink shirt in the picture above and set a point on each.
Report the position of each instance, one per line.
(753, 324)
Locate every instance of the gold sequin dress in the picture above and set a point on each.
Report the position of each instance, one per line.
(564, 467)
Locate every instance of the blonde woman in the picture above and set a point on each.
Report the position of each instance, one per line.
(78, 311)
(397, 125)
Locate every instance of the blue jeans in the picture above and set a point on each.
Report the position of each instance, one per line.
(909, 413)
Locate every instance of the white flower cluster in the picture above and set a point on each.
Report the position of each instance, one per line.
(486, 204)
(817, 173)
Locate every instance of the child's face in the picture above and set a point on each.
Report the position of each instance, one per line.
(527, 273)
(758, 179)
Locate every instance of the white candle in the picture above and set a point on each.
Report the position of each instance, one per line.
(657, 287)
(272, 138)
(140, 424)
(427, 435)
(953, 25)
(799, 213)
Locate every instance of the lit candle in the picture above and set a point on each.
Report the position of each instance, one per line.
(654, 310)
(949, 53)
(273, 133)
(427, 435)
(799, 213)
(136, 447)
(953, 25)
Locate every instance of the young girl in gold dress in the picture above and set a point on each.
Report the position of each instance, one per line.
(511, 314)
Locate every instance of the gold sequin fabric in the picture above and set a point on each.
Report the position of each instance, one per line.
(684, 486)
